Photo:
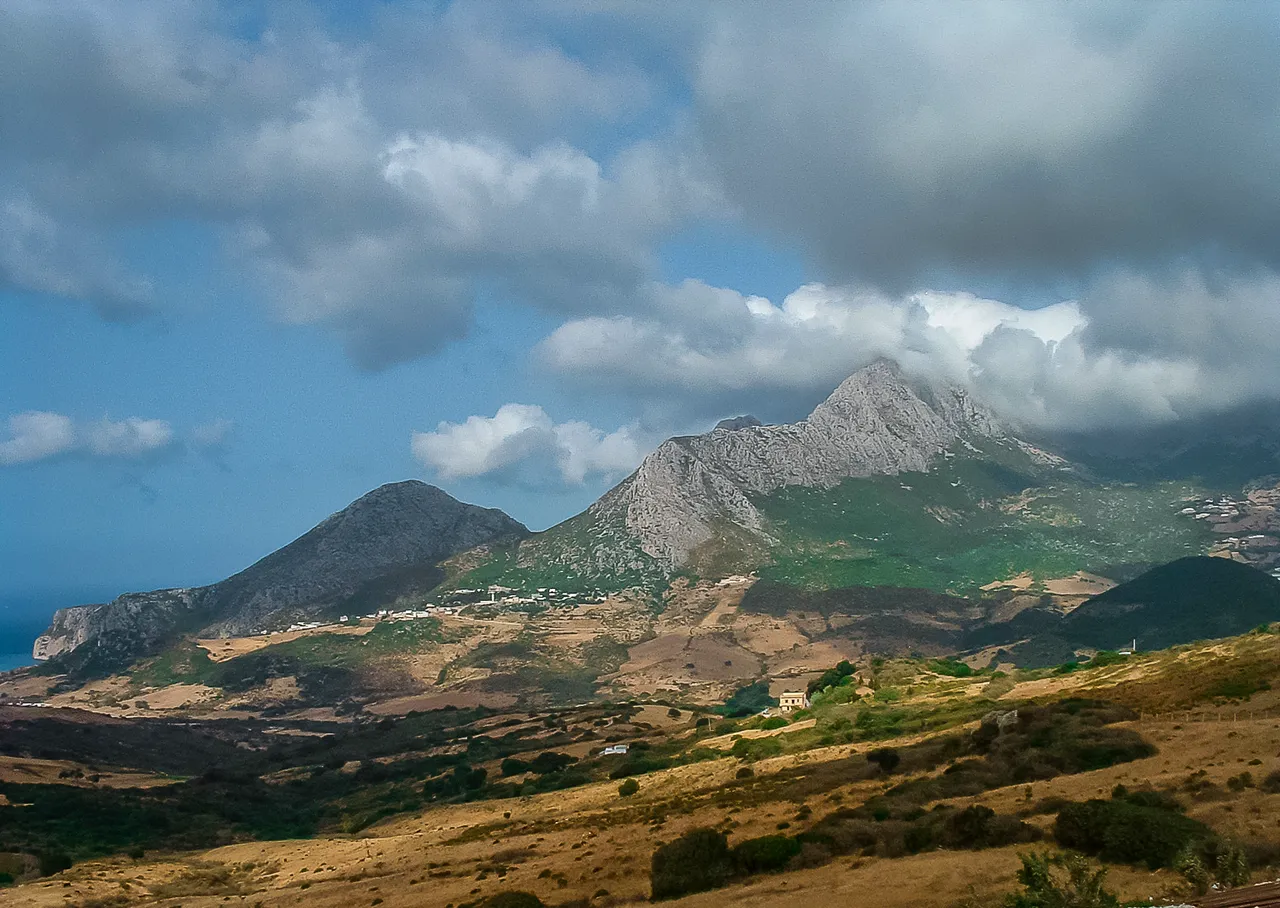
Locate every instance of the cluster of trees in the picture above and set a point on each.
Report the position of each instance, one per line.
(832, 677)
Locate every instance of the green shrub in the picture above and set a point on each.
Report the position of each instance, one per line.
(697, 861)
(774, 722)
(550, 761)
(766, 854)
(52, 862)
(638, 766)
(1060, 881)
(1271, 784)
(1104, 658)
(628, 788)
(513, 899)
(951, 667)
(752, 749)
(1126, 832)
(832, 677)
(6, 878)
(887, 758)
(513, 767)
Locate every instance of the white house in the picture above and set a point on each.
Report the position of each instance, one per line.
(792, 700)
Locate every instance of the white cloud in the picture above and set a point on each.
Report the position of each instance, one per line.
(128, 438)
(36, 436)
(709, 351)
(523, 437)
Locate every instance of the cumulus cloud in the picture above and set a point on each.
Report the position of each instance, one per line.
(523, 442)
(36, 436)
(129, 438)
(1048, 368)
(39, 435)
(373, 189)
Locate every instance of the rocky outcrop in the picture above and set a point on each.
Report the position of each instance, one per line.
(386, 543)
(876, 423)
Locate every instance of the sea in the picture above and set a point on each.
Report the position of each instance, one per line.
(25, 617)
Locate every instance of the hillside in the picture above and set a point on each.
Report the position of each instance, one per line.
(385, 544)
(908, 784)
(1189, 599)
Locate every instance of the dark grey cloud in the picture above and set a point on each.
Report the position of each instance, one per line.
(1014, 141)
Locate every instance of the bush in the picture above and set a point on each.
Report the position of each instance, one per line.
(1105, 657)
(1060, 881)
(886, 758)
(773, 722)
(1271, 784)
(951, 667)
(628, 788)
(697, 861)
(744, 772)
(513, 899)
(832, 677)
(752, 749)
(549, 761)
(513, 767)
(52, 862)
(1126, 832)
(766, 854)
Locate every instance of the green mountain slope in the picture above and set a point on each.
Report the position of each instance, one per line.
(1186, 600)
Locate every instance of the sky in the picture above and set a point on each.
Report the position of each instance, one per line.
(257, 259)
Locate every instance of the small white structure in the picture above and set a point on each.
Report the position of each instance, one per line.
(1130, 649)
(614, 750)
(792, 700)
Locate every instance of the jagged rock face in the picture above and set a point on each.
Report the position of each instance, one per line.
(739, 422)
(397, 532)
(143, 618)
(875, 423)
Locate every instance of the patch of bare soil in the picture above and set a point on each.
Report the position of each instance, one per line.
(30, 771)
(220, 649)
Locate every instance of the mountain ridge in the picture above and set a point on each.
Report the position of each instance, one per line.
(698, 492)
(395, 534)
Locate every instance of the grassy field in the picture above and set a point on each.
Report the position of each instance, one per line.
(968, 523)
(920, 793)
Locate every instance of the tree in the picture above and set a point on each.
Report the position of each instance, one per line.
(1060, 881)
(628, 788)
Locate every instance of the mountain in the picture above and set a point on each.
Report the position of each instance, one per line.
(386, 543)
(727, 500)
(1189, 599)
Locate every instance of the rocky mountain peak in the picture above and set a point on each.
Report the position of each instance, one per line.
(738, 422)
(877, 422)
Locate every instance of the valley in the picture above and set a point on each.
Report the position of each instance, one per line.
(893, 647)
(1178, 725)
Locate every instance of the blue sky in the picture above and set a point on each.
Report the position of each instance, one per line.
(257, 260)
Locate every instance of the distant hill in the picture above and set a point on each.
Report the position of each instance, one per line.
(1189, 599)
(385, 544)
